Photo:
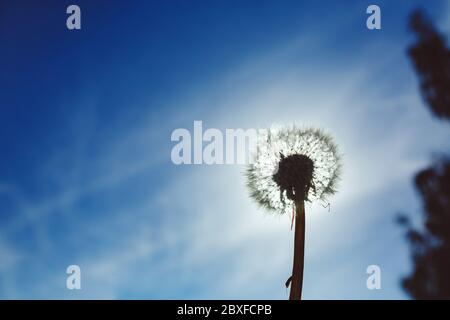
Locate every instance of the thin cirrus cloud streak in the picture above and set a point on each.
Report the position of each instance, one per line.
(210, 240)
(36, 215)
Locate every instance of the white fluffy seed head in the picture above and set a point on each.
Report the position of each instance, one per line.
(313, 143)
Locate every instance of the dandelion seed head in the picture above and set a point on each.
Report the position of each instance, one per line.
(292, 163)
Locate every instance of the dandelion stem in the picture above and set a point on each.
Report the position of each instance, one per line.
(299, 252)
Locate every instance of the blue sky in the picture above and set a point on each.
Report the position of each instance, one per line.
(85, 124)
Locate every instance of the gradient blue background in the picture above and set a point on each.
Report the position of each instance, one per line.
(85, 124)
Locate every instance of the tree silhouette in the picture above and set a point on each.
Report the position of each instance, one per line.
(431, 60)
(430, 246)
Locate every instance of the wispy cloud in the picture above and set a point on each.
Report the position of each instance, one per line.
(197, 234)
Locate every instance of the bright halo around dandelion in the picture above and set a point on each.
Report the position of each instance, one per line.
(293, 164)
